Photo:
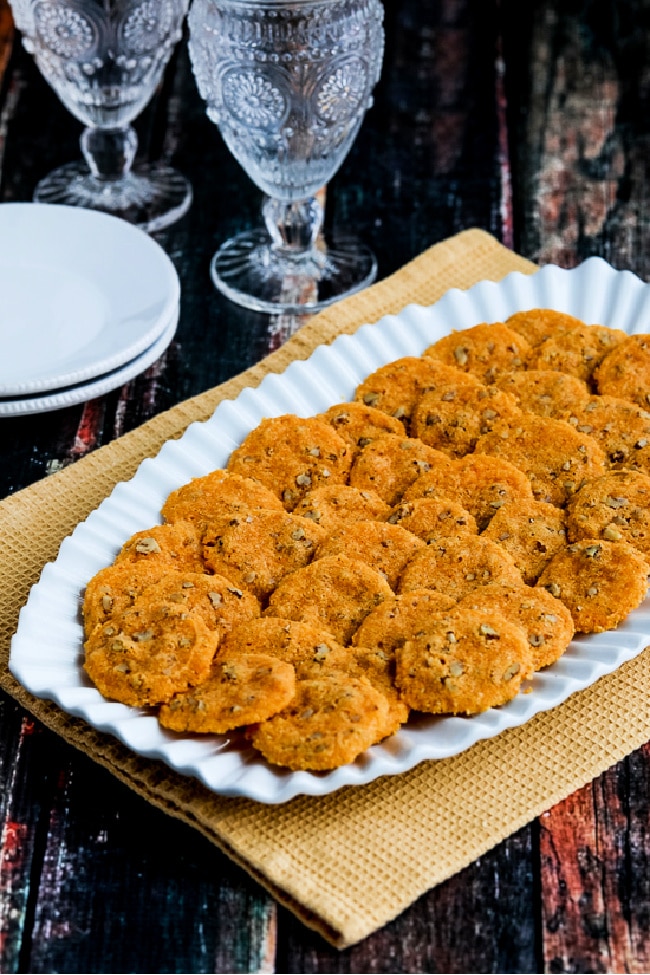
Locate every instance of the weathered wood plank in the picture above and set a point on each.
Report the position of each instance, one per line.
(25, 782)
(481, 920)
(427, 161)
(124, 888)
(579, 152)
(594, 874)
(6, 37)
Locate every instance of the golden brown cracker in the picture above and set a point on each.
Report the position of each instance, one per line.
(389, 465)
(291, 455)
(399, 619)
(257, 551)
(217, 497)
(578, 351)
(335, 593)
(396, 387)
(464, 662)
(480, 482)
(431, 518)
(484, 351)
(359, 424)
(115, 587)
(331, 720)
(600, 582)
(452, 418)
(531, 532)
(239, 690)
(546, 621)
(625, 370)
(144, 661)
(174, 545)
(385, 547)
(538, 324)
(620, 427)
(293, 641)
(615, 508)
(544, 391)
(555, 457)
(456, 566)
(213, 598)
(339, 504)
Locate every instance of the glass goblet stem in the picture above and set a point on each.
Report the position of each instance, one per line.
(152, 197)
(293, 226)
(109, 153)
(288, 267)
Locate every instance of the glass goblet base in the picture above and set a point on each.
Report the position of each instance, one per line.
(150, 197)
(250, 271)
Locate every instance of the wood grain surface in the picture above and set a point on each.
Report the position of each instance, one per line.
(529, 120)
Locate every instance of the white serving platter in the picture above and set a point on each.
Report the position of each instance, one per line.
(83, 294)
(46, 652)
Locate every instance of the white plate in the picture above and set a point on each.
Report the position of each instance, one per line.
(83, 293)
(46, 652)
(24, 405)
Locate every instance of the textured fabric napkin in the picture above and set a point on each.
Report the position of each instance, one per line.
(349, 862)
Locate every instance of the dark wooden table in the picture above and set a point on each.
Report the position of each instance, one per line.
(528, 118)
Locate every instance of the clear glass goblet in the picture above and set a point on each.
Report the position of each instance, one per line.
(104, 58)
(288, 82)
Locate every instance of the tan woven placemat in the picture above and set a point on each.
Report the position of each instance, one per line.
(349, 862)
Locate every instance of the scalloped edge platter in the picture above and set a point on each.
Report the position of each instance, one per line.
(46, 651)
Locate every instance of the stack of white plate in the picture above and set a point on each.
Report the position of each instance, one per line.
(87, 302)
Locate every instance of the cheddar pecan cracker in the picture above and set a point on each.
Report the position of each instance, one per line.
(538, 324)
(544, 391)
(464, 662)
(531, 532)
(359, 424)
(297, 643)
(239, 690)
(555, 457)
(577, 351)
(432, 518)
(484, 351)
(620, 427)
(385, 547)
(291, 455)
(456, 566)
(390, 464)
(625, 371)
(396, 387)
(175, 546)
(480, 482)
(546, 621)
(399, 619)
(334, 592)
(339, 504)
(144, 659)
(329, 722)
(216, 498)
(600, 582)
(257, 551)
(615, 508)
(451, 418)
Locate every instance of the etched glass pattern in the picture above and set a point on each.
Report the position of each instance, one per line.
(104, 59)
(288, 85)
